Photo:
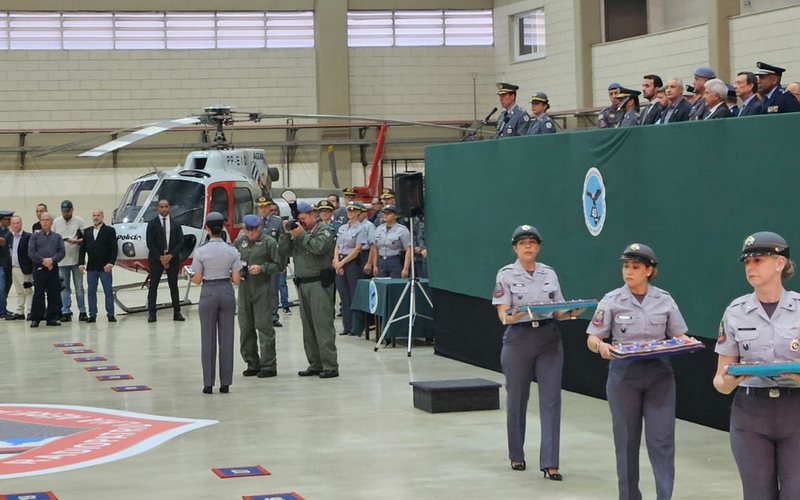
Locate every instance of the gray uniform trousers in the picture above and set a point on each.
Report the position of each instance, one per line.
(527, 351)
(346, 285)
(391, 267)
(319, 336)
(274, 282)
(765, 440)
(643, 389)
(217, 310)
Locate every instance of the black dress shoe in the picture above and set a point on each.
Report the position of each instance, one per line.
(207, 389)
(329, 373)
(52, 323)
(9, 317)
(91, 319)
(344, 333)
(19, 316)
(151, 318)
(83, 317)
(112, 319)
(178, 317)
(224, 389)
(277, 324)
(66, 318)
(309, 372)
(267, 373)
(35, 324)
(250, 372)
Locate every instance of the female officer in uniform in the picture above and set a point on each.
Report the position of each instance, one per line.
(764, 327)
(216, 265)
(392, 256)
(349, 241)
(530, 347)
(639, 388)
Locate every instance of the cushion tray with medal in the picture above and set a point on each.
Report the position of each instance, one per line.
(548, 307)
(655, 348)
(763, 369)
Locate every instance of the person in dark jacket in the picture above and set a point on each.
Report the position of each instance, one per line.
(164, 244)
(46, 250)
(100, 246)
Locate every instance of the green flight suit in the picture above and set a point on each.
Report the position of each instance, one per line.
(312, 253)
(255, 321)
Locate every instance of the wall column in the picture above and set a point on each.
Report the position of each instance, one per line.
(719, 36)
(587, 33)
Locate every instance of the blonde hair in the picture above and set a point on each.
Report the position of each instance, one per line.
(789, 269)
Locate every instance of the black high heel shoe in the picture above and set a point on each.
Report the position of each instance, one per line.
(518, 464)
(553, 476)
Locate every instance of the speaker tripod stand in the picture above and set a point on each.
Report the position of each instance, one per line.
(410, 289)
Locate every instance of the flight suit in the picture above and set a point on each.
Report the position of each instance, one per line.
(255, 293)
(312, 254)
(765, 437)
(531, 348)
(216, 260)
(272, 226)
(641, 389)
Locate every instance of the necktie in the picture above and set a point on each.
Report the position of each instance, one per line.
(166, 234)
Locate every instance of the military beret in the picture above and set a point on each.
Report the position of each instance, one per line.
(641, 253)
(324, 205)
(764, 243)
(263, 201)
(525, 231)
(251, 221)
(304, 208)
(506, 88)
(539, 97)
(215, 217)
(705, 72)
(390, 208)
(66, 205)
(768, 69)
(613, 86)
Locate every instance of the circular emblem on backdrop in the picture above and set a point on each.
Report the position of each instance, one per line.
(593, 199)
(373, 297)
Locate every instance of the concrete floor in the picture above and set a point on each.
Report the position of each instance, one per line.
(354, 437)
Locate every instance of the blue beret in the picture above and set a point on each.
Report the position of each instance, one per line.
(252, 221)
(613, 86)
(304, 208)
(705, 72)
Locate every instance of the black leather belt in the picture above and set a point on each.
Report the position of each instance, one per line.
(771, 392)
(219, 280)
(300, 281)
(535, 324)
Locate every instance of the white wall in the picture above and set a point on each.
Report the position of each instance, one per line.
(553, 74)
(422, 83)
(751, 6)
(85, 89)
(667, 54)
(771, 37)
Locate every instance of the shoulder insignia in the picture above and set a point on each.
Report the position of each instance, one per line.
(498, 290)
(721, 336)
(548, 124)
(598, 317)
(526, 118)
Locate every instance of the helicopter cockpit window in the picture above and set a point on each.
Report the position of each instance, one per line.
(219, 201)
(186, 199)
(242, 203)
(131, 204)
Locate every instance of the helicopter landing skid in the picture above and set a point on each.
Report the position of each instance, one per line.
(137, 309)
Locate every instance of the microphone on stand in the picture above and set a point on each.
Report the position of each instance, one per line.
(486, 120)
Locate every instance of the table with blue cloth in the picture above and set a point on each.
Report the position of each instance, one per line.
(389, 291)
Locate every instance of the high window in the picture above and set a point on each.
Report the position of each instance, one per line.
(407, 28)
(528, 35)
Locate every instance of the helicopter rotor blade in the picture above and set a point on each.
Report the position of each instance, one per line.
(138, 135)
(259, 116)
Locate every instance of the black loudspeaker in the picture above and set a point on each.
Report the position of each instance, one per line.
(408, 187)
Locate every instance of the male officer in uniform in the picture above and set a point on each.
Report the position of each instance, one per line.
(310, 244)
(629, 104)
(541, 122)
(610, 116)
(513, 119)
(775, 100)
(259, 256)
(699, 108)
(5, 261)
(272, 225)
(340, 213)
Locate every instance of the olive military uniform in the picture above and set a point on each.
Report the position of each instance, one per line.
(641, 389)
(312, 253)
(255, 292)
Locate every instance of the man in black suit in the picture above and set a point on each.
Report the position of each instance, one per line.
(678, 108)
(164, 244)
(650, 113)
(715, 94)
(21, 270)
(100, 245)
(746, 87)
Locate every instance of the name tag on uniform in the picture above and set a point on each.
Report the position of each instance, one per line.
(624, 317)
(746, 329)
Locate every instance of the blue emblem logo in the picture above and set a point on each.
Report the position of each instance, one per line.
(593, 199)
(373, 297)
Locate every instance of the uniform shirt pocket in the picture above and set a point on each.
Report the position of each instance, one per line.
(752, 345)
